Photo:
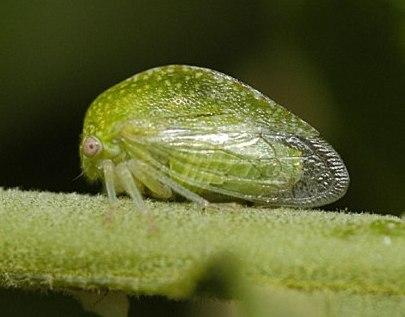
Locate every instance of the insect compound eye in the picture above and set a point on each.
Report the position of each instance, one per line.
(91, 146)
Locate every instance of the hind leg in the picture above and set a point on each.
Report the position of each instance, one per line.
(157, 188)
(164, 184)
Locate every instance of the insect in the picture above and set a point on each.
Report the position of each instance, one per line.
(187, 131)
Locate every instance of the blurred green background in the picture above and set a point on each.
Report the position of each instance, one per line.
(337, 64)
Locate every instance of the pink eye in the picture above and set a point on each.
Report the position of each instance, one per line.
(91, 146)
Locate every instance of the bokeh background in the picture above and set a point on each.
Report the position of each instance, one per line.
(337, 64)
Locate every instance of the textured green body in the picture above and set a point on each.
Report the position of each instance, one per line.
(175, 92)
(203, 129)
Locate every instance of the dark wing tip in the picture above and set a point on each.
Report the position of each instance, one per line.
(326, 177)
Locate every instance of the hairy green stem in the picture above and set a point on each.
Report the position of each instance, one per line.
(71, 241)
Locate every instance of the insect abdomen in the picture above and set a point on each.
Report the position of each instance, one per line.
(221, 174)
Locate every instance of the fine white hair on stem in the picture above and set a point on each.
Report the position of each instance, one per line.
(109, 175)
(153, 173)
(127, 181)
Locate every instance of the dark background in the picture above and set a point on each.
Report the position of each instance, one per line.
(337, 64)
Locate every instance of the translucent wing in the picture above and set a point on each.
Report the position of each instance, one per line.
(241, 161)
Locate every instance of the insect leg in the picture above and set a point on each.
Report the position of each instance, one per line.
(155, 186)
(153, 173)
(128, 183)
(108, 169)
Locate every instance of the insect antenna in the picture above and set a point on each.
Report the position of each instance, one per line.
(78, 176)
